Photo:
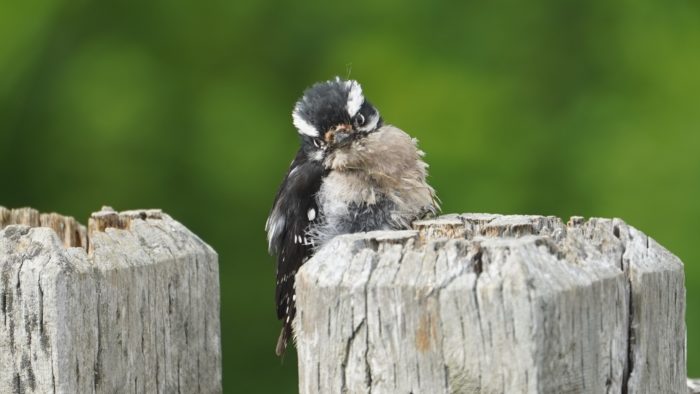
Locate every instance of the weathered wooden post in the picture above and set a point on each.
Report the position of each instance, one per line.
(130, 305)
(493, 304)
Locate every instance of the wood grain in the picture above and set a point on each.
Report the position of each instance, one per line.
(138, 311)
(493, 304)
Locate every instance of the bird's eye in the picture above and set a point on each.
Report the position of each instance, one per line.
(360, 120)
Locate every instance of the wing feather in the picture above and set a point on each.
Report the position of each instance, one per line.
(287, 228)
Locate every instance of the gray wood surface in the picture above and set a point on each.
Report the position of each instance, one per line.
(693, 386)
(493, 304)
(137, 312)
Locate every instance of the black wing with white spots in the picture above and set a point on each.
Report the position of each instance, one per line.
(287, 227)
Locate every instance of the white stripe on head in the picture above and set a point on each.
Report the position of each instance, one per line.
(355, 97)
(303, 126)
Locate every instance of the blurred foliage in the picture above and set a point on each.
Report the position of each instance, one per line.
(558, 108)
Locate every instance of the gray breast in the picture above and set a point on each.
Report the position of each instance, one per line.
(377, 183)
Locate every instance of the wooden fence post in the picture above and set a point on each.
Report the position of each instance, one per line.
(493, 304)
(130, 305)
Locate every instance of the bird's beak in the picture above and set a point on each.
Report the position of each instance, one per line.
(339, 134)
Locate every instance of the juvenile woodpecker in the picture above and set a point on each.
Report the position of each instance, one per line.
(352, 173)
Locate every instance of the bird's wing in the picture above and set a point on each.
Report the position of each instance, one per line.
(293, 211)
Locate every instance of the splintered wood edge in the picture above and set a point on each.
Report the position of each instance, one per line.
(69, 230)
(109, 218)
(470, 225)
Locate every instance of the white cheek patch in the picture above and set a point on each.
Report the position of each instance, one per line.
(303, 126)
(355, 97)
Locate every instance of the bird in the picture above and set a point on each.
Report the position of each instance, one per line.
(352, 173)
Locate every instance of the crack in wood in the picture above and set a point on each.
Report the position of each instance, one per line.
(82, 308)
(537, 305)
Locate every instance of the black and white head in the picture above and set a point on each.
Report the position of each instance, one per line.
(331, 115)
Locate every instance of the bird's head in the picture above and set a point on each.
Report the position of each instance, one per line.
(332, 114)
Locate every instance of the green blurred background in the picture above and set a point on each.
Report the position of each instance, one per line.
(559, 108)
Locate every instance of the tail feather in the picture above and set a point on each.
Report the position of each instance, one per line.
(283, 339)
